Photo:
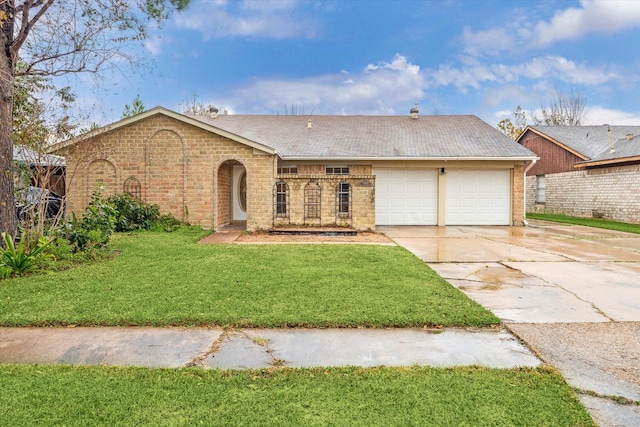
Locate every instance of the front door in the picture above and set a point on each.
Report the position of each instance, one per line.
(239, 193)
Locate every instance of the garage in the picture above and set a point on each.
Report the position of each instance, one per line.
(406, 196)
(478, 197)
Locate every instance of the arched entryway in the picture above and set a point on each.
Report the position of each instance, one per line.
(232, 194)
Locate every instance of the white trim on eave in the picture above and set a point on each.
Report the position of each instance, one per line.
(443, 159)
(168, 113)
(553, 141)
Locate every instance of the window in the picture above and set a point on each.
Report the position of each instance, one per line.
(291, 170)
(337, 170)
(281, 193)
(132, 187)
(242, 191)
(541, 189)
(312, 193)
(343, 192)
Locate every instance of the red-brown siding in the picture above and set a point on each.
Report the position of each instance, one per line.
(553, 159)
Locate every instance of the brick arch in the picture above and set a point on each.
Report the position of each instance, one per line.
(101, 174)
(165, 172)
(223, 190)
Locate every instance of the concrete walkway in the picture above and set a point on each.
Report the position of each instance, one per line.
(261, 348)
(571, 293)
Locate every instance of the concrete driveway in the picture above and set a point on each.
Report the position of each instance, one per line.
(571, 293)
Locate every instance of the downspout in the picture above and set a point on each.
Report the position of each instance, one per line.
(527, 169)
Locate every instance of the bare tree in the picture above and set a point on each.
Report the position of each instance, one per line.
(564, 110)
(193, 106)
(58, 37)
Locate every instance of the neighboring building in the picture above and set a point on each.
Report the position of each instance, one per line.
(271, 171)
(587, 171)
(39, 169)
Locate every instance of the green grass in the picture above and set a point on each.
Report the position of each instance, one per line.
(169, 279)
(589, 222)
(63, 395)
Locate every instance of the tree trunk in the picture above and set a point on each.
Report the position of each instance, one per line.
(8, 219)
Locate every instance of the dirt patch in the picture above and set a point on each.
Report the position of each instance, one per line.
(361, 237)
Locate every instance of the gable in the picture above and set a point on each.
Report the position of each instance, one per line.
(159, 115)
(554, 156)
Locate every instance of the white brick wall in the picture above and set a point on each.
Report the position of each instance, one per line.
(612, 193)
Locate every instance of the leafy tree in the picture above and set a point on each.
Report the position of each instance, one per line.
(564, 110)
(136, 107)
(515, 128)
(58, 37)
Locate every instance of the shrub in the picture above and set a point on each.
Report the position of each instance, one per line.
(168, 223)
(132, 214)
(16, 261)
(95, 228)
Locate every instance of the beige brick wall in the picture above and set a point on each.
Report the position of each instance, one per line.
(517, 201)
(182, 168)
(362, 215)
(612, 193)
(187, 171)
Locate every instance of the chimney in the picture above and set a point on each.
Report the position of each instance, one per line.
(629, 136)
(213, 112)
(414, 112)
(309, 124)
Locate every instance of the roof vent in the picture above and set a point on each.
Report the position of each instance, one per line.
(213, 112)
(309, 124)
(414, 112)
(612, 149)
(629, 136)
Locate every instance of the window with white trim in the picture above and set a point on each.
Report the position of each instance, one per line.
(288, 170)
(343, 199)
(336, 170)
(281, 193)
(541, 189)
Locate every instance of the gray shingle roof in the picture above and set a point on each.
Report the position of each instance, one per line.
(371, 137)
(31, 157)
(593, 141)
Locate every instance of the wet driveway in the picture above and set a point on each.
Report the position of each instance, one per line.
(571, 293)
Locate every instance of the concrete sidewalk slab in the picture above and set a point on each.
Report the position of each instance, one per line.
(260, 348)
(304, 348)
(135, 346)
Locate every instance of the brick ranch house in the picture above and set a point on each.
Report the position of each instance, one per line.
(279, 171)
(587, 171)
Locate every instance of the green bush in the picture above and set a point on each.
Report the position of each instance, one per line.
(16, 261)
(132, 214)
(96, 226)
(168, 223)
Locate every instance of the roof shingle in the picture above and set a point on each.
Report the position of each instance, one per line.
(371, 137)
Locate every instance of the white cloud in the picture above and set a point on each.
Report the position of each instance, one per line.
(383, 88)
(155, 44)
(473, 74)
(489, 42)
(594, 16)
(598, 115)
(563, 69)
(259, 19)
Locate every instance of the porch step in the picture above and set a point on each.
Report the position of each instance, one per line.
(321, 231)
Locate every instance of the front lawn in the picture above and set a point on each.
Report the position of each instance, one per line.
(416, 396)
(589, 222)
(169, 279)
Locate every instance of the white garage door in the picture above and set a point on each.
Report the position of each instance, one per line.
(406, 196)
(480, 197)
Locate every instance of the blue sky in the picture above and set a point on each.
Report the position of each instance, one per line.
(381, 57)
